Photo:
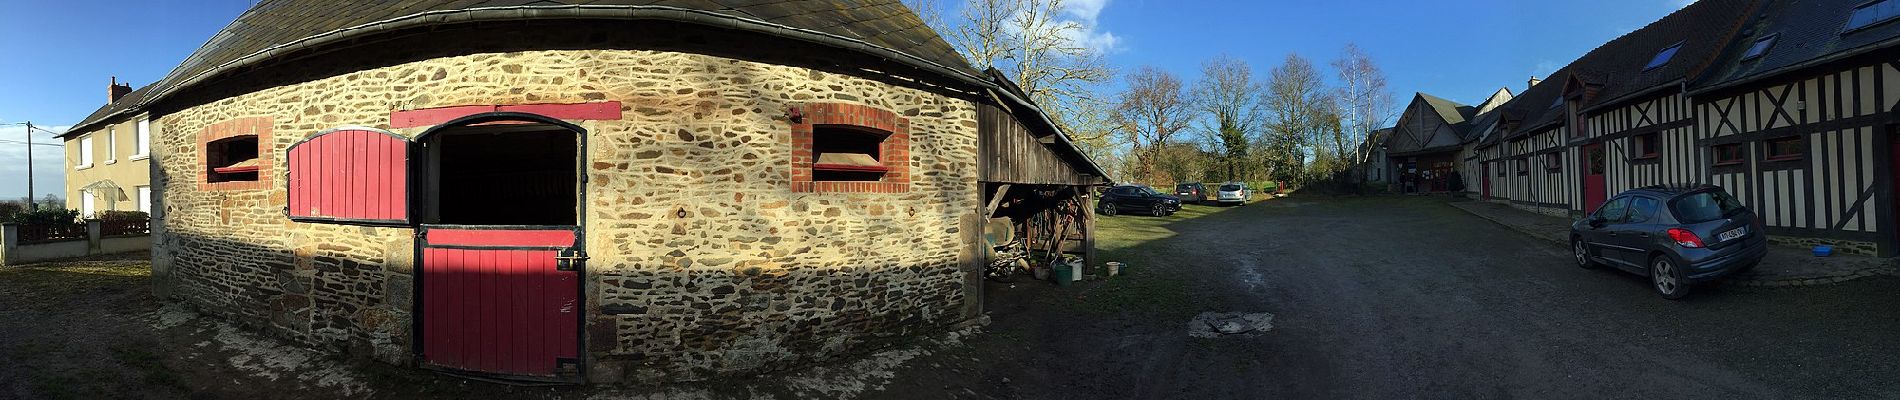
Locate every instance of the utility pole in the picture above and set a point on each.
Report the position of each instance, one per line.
(32, 204)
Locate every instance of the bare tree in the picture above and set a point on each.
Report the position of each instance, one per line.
(930, 11)
(1365, 103)
(1232, 102)
(1030, 42)
(1149, 113)
(1296, 100)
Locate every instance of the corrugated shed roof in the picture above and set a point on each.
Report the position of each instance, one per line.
(272, 23)
(1806, 32)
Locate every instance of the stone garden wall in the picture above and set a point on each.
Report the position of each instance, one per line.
(705, 261)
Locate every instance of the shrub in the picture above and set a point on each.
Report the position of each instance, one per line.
(124, 216)
(9, 209)
(46, 216)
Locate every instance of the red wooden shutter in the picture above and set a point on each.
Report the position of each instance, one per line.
(350, 175)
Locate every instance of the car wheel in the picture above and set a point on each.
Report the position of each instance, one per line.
(1581, 251)
(1108, 209)
(1160, 210)
(1667, 279)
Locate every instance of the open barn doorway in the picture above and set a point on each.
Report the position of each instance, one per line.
(501, 248)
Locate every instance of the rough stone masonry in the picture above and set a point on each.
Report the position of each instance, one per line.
(705, 261)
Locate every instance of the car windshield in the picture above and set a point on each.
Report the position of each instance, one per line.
(1705, 206)
(1147, 190)
(1230, 187)
(1183, 187)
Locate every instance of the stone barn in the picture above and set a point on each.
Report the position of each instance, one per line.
(630, 191)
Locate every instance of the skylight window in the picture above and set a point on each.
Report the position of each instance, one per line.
(1873, 13)
(1760, 47)
(1662, 57)
(1558, 102)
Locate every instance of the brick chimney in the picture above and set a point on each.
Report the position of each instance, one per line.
(118, 90)
(1534, 82)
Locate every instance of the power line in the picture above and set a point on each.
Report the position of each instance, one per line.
(34, 144)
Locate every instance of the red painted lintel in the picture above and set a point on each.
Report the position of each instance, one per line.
(607, 110)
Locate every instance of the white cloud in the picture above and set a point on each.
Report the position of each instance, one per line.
(49, 162)
(1085, 14)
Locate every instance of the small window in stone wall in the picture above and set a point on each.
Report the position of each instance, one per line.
(849, 148)
(847, 153)
(232, 159)
(233, 155)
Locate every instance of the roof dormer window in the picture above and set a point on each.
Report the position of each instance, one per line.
(1760, 47)
(1872, 13)
(1662, 57)
(1557, 103)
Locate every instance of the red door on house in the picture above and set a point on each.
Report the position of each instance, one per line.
(1594, 188)
(1484, 181)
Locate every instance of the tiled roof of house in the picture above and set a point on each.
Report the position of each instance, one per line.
(1621, 68)
(269, 24)
(1805, 31)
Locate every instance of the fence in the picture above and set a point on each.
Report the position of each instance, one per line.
(31, 234)
(30, 243)
(125, 228)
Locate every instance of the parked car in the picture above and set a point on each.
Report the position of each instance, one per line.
(1194, 192)
(1678, 236)
(1233, 193)
(1137, 198)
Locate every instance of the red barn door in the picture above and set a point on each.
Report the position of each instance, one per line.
(501, 300)
(1594, 189)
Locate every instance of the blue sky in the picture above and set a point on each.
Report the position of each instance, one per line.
(57, 56)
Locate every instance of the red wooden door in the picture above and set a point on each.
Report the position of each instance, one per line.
(1594, 189)
(1485, 181)
(501, 300)
(349, 174)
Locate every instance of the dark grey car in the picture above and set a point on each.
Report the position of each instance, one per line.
(1678, 236)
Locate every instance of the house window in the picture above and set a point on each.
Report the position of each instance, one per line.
(854, 148)
(1662, 57)
(1553, 162)
(85, 152)
(232, 159)
(1873, 13)
(145, 199)
(1524, 166)
(847, 153)
(1729, 154)
(1785, 149)
(112, 144)
(1500, 168)
(1760, 47)
(142, 140)
(1646, 147)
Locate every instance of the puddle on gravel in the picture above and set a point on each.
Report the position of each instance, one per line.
(1210, 325)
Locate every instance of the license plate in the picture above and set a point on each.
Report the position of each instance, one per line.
(1733, 234)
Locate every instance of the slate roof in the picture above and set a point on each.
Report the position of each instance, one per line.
(1457, 116)
(1618, 69)
(270, 23)
(1451, 111)
(1807, 31)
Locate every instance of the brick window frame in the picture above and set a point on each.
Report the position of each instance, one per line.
(266, 158)
(894, 152)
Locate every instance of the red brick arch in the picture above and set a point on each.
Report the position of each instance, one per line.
(895, 151)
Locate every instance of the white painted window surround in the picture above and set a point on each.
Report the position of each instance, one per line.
(85, 153)
(85, 203)
(112, 144)
(142, 140)
(145, 198)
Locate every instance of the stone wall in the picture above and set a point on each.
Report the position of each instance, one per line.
(705, 261)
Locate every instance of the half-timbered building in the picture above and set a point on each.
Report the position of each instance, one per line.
(1787, 104)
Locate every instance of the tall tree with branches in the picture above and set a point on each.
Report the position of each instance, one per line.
(1365, 102)
(1032, 44)
(1296, 101)
(1231, 100)
(1149, 113)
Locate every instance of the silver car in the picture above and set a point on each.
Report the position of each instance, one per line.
(1233, 193)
